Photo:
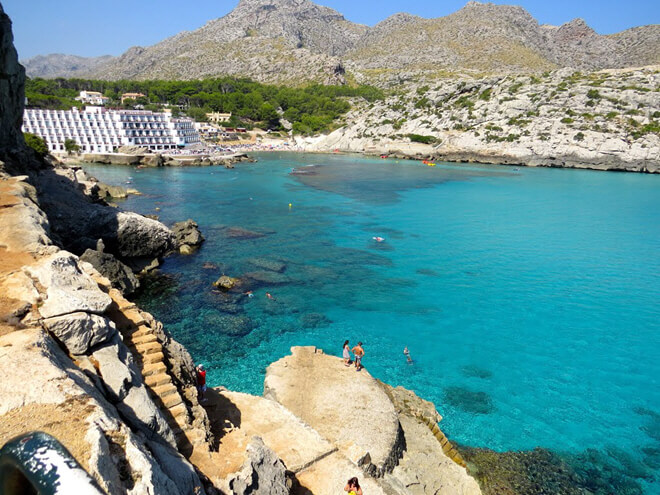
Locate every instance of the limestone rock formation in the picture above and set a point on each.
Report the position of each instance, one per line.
(368, 433)
(80, 331)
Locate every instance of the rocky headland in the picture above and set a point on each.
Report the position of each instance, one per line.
(81, 362)
(605, 120)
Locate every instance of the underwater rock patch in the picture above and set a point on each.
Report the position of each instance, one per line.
(314, 320)
(473, 371)
(427, 272)
(240, 233)
(468, 400)
(233, 325)
(268, 264)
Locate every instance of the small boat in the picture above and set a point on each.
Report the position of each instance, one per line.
(431, 164)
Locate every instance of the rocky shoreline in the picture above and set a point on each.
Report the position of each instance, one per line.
(160, 160)
(606, 120)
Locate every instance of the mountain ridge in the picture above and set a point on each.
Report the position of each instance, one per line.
(298, 41)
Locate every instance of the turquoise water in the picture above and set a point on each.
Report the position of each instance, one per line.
(529, 299)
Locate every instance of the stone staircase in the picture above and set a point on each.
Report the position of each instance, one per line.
(142, 339)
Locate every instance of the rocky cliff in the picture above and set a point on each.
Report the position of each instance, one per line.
(297, 41)
(608, 120)
(12, 88)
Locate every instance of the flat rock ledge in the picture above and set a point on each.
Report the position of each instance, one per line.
(310, 383)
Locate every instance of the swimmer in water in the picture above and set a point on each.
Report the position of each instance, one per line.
(270, 296)
(406, 353)
(249, 293)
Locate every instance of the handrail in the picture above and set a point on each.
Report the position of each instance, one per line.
(38, 464)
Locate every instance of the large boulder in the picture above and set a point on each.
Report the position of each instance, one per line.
(121, 276)
(138, 236)
(79, 332)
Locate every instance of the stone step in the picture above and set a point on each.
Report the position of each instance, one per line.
(135, 317)
(172, 400)
(149, 348)
(143, 339)
(150, 369)
(165, 390)
(157, 380)
(179, 413)
(155, 357)
(141, 331)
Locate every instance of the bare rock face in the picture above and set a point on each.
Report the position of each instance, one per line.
(12, 90)
(121, 276)
(68, 288)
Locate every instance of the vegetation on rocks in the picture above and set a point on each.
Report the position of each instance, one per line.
(310, 109)
(37, 143)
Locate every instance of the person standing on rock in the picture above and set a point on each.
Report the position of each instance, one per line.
(353, 487)
(201, 382)
(359, 354)
(346, 354)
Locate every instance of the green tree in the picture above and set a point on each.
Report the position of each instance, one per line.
(71, 146)
(37, 143)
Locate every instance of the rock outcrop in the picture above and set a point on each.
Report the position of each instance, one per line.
(120, 275)
(187, 236)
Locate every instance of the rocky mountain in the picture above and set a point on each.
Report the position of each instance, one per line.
(295, 41)
(56, 64)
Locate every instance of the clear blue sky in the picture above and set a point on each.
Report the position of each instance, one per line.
(94, 27)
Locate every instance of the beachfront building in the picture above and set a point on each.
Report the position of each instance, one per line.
(131, 96)
(93, 98)
(99, 130)
(184, 131)
(216, 117)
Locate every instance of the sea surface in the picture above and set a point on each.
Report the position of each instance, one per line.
(529, 298)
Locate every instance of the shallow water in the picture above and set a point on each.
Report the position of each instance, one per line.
(528, 298)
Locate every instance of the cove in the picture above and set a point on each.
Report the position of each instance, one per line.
(528, 298)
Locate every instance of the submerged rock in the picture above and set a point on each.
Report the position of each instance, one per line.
(243, 234)
(233, 325)
(226, 283)
(268, 264)
(314, 320)
(469, 400)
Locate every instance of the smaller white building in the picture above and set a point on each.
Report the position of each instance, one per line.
(93, 98)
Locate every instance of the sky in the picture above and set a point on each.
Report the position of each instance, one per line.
(102, 27)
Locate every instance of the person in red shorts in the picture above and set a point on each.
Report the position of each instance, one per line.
(201, 382)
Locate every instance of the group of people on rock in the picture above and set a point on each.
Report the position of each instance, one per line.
(357, 351)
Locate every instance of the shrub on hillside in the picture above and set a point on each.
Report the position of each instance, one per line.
(418, 138)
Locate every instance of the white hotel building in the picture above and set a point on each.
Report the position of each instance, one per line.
(99, 130)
